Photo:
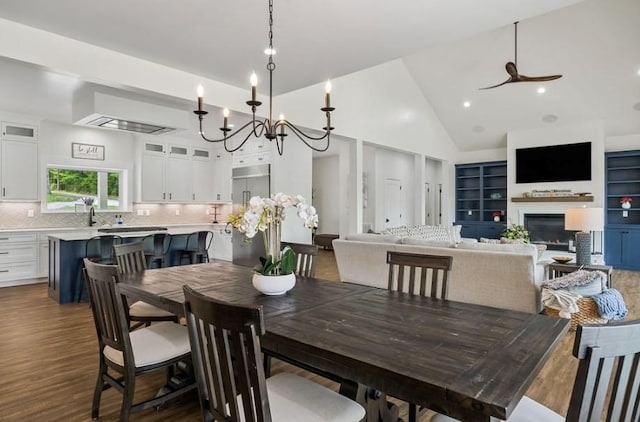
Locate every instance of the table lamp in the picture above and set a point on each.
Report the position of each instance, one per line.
(584, 220)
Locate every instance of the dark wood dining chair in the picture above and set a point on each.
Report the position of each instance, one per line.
(197, 247)
(130, 259)
(306, 256)
(131, 353)
(606, 386)
(225, 342)
(409, 273)
(157, 246)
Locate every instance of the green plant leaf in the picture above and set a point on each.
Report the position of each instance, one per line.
(288, 261)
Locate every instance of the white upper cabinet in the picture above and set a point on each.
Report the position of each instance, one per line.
(221, 163)
(19, 132)
(19, 170)
(184, 174)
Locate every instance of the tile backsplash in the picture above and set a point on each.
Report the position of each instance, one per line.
(17, 215)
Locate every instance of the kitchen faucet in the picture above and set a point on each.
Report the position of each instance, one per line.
(92, 213)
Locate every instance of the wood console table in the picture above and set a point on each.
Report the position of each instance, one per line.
(585, 198)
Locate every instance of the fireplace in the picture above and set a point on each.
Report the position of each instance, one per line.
(548, 229)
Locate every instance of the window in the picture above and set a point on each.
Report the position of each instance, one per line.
(70, 189)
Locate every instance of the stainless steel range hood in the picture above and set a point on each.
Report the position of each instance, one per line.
(117, 113)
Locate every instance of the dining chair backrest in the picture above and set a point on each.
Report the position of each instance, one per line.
(409, 272)
(130, 257)
(107, 304)
(306, 256)
(225, 348)
(605, 351)
(100, 248)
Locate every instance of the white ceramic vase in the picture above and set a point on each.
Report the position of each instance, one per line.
(626, 205)
(273, 285)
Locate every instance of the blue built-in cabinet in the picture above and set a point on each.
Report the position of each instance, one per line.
(622, 227)
(481, 191)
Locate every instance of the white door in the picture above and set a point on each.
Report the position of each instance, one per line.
(428, 204)
(393, 203)
(203, 181)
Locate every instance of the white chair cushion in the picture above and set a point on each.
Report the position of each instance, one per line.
(528, 410)
(295, 399)
(143, 309)
(154, 344)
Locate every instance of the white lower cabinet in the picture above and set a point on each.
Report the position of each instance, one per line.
(18, 257)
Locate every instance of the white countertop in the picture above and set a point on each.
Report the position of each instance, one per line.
(85, 232)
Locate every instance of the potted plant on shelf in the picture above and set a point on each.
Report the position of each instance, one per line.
(274, 275)
(516, 231)
(496, 216)
(625, 202)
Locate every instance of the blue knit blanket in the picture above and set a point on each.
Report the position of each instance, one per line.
(610, 304)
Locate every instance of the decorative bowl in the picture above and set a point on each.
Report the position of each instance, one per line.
(273, 285)
(561, 259)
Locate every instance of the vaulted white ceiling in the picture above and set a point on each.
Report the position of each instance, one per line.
(451, 48)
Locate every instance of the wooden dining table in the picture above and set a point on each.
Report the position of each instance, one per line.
(468, 361)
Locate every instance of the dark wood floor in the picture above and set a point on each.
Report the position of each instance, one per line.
(48, 360)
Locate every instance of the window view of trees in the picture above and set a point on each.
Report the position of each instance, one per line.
(67, 188)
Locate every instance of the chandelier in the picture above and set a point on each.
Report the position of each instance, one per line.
(273, 130)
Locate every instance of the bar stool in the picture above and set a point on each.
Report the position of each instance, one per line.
(157, 247)
(98, 249)
(197, 247)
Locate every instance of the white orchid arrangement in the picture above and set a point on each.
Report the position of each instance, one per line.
(266, 215)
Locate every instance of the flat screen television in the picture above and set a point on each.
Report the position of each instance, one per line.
(556, 163)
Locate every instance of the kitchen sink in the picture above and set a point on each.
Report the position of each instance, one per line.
(131, 229)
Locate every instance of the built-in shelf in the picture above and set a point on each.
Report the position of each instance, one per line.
(585, 198)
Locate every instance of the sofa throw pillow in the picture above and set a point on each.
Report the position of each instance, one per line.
(397, 231)
(524, 248)
(424, 242)
(491, 241)
(455, 233)
(421, 231)
(378, 238)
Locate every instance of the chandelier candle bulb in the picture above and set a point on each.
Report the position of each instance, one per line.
(327, 100)
(225, 115)
(254, 83)
(200, 92)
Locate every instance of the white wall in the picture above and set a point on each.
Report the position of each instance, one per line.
(292, 173)
(622, 143)
(592, 131)
(326, 182)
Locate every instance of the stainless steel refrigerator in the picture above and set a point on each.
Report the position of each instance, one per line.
(248, 182)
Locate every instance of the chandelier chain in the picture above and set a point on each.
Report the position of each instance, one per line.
(270, 128)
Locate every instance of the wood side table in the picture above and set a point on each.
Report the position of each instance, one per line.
(557, 269)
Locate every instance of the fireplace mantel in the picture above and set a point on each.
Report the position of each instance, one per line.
(585, 198)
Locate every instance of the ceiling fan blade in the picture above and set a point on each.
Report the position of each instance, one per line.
(495, 86)
(523, 78)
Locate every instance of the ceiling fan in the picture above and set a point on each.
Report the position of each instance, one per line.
(512, 69)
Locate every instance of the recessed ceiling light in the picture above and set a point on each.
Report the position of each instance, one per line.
(549, 118)
(542, 90)
(638, 72)
(467, 104)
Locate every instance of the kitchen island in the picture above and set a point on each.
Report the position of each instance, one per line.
(67, 249)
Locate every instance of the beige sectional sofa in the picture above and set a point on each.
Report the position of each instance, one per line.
(502, 276)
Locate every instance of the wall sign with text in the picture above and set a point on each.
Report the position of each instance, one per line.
(87, 151)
